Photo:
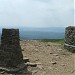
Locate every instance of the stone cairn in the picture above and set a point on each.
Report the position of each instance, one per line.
(10, 52)
(70, 38)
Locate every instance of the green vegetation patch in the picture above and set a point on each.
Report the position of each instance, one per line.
(58, 41)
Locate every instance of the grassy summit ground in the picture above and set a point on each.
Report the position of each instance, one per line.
(58, 41)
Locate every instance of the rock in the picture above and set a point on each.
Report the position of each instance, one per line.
(14, 70)
(51, 53)
(26, 60)
(57, 57)
(36, 50)
(55, 54)
(63, 54)
(34, 71)
(40, 66)
(37, 60)
(31, 64)
(73, 71)
(48, 45)
(53, 63)
(44, 73)
(2, 72)
(60, 49)
(62, 64)
(22, 49)
(50, 68)
(38, 63)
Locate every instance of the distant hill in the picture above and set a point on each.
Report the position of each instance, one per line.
(0, 36)
(49, 29)
(42, 33)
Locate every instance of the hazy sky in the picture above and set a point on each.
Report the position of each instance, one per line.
(36, 13)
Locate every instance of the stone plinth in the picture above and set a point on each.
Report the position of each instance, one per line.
(10, 53)
(70, 38)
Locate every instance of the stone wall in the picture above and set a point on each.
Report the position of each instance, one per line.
(70, 37)
(10, 52)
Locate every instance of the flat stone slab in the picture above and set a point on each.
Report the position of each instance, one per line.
(26, 60)
(14, 70)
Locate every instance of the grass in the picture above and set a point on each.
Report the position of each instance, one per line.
(58, 41)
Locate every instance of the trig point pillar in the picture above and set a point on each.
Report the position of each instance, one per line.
(70, 38)
(10, 53)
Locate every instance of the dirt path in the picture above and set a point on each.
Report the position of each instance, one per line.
(52, 58)
(74, 63)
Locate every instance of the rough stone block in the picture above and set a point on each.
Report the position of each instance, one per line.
(10, 53)
(70, 38)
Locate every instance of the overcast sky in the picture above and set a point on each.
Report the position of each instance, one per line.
(36, 13)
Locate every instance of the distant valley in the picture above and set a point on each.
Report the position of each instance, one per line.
(41, 33)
